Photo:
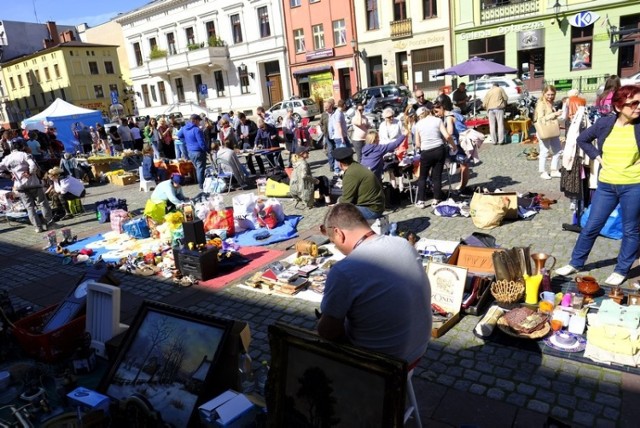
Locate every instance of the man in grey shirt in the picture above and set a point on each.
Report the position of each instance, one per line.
(125, 134)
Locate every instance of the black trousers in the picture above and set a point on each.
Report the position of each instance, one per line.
(432, 160)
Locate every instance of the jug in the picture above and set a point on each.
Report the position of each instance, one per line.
(532, 289)
(540, 259)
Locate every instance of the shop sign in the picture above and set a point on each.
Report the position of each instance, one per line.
(427, 40)
(345, 63)
(563, 85)
(531, 39)
(321, 53)
(502, 30)
(583, 19)
(321, 85)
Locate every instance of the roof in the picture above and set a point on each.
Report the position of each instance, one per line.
(71, 44)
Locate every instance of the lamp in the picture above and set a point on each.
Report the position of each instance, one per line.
(556, 8)
(243, 70)
(384, 62)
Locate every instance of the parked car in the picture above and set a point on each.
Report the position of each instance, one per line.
(302, 108)
(394, 96)
(170, 116)
(634, 79)
(514, 87)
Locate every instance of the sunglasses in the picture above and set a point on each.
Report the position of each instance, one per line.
(419, 96)
(324, 231)
(632, 104)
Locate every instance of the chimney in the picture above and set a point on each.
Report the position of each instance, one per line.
(52, 28)
(67, 36)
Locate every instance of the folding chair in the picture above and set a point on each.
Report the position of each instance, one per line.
(224, 171)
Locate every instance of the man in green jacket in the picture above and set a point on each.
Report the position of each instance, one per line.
(360, 186)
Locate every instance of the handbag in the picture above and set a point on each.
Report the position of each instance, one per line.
(546, 129)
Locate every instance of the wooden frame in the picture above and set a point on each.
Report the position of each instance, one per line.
(168, 357)
(633, 299)
(314, 382)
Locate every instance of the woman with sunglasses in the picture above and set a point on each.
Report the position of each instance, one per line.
(618, 153)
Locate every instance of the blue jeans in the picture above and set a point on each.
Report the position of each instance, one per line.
(330, 147)
(337, 143)
(605, 199)
(367, 213)
(199, 160)
(181, 151)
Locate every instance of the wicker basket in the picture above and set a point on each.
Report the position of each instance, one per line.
(507, 292)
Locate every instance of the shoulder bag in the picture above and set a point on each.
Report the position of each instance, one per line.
(545, 128)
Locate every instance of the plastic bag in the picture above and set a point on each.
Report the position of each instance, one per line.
(222, 219)
(155, 210)
(277, 208)
(137, 228)
(243, 212)
(612, 228)
(488, 211)
(214, 184)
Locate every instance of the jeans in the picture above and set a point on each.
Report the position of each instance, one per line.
(367, 213)
(290, 145)
(330, 147)
(433, 160)
(128, 145)
(357, 147)
(31, 198)
(199, 160)
(545, 145)
(496, 116)
(157, 154)
(605, 199)
(337, 143)
(181, 151)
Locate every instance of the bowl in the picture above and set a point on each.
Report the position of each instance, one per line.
(565, 338)
(587, 285)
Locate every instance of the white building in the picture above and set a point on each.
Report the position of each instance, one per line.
(206, 55)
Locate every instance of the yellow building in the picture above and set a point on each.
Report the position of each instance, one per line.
(84, 74)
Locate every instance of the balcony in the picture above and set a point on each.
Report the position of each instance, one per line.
(504, 10)
(183, 60)
(401, 28)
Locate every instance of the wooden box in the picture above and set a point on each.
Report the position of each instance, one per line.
(447, 287)
(123, 180)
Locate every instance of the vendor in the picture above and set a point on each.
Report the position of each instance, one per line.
(170, 191)
(150, 171)
(360, 186)
(67, 187)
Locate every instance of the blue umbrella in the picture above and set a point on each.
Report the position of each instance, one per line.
(474, 67)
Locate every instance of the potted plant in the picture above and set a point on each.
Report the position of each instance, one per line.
(193, 46)
(216, 42)
(157, 53)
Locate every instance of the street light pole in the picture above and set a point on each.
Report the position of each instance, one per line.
(356, 59)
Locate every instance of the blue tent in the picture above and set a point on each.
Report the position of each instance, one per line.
(67, 119)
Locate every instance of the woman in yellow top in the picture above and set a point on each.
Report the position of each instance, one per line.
(618, 153)
(546, 113)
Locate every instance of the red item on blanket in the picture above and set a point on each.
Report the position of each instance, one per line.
(86, 251)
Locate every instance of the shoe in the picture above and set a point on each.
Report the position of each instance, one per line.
(566, 270)
(67, 217)
(434, 203)
(420, 204)
(40, 229)
(545, 176)
(615, 279)
(555, 174)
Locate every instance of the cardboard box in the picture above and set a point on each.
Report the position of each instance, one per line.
(447, 287)
(100, 168)
(88, 399)
(229, 409)
(123, 180)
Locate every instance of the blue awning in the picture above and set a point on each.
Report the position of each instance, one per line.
(312, 70)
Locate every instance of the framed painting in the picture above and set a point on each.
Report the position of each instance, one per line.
(168, 357)
(314, 382)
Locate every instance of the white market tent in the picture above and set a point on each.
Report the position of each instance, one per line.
(66, 118)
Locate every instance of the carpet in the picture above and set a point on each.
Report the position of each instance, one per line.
(257, 256)
(283, 232)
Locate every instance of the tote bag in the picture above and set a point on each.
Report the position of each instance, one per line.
(547, 128)
(612, 228)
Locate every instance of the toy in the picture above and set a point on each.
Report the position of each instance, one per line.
(307, 247)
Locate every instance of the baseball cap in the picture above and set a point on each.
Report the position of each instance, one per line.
(195, 117)
(176, 178)
(302, 149)
(342, 153)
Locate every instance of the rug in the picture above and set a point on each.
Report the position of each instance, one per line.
(113, 246)
(260, 237)
(257, 256)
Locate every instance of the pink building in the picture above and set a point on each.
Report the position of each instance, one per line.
(319, 37)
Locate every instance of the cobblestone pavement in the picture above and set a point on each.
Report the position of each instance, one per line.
(459, 372)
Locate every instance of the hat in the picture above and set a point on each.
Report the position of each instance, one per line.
(177, 178)
(342, 153)
(388, 112)
(302, 149)
(55, 171)
(195, 117)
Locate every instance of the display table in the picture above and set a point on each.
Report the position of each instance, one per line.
(522, 126)
(184, 168)
(479, 124)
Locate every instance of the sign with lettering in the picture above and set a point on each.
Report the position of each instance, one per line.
(447, 285)
(531, 39)
(502, 30)
(563, 85)
(320, 53)
(583, 19)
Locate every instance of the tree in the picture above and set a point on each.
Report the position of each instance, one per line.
(159, 332)
(316, 391)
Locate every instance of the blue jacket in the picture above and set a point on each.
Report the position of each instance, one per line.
(372, 154)
(600, 131)
(193, 138)
(149, 169)
(267, 137)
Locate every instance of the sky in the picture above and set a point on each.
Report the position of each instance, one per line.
(66, 12)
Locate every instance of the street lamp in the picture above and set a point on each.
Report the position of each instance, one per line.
(243, 70)
(356, 60)
(556, 8)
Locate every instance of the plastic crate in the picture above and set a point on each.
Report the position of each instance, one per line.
(52, 346)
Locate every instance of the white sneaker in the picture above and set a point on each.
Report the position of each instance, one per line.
(615, 279)
(545, 176)
(420, 204)
(566, 270)
(555, 174)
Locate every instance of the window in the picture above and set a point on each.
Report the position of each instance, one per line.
(153, 43)
(339, 33)
(211, 30)
(46, 73)
(244, 83)
(197, 81)
(154, 97)
(236, 28)
(145, 95)
(314, 1)
(399, 10)
(581, 47)
(20, 82)
(191, 38)
(372, 15)
(429, 9)
(138, 53)
(294, 3)
(93, 67)
(38, 76)
(263, 19)
(489, 48)
(180, 89)
(163, 93)
(298, 40)
(97, 90)
(62, 94)
(114, 88)
(56, 70)
(12, 83)
(34, 99)
(171, 43)
(318, 37)
(217, 76)
(108, 67)
(29, 79)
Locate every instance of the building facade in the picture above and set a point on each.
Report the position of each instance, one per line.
(206, 56)
(18, 39)
(404, 42)
(570, 43)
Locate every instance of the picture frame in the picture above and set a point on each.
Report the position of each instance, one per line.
(168, 357)
(633, 299)
(348, 386)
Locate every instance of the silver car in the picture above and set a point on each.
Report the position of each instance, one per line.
(302, 108)
(514, 88)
